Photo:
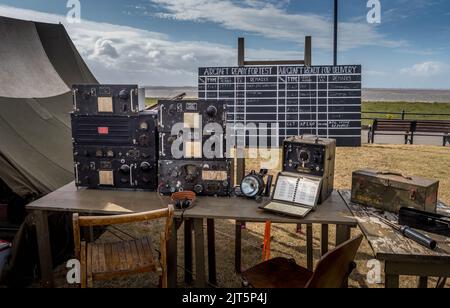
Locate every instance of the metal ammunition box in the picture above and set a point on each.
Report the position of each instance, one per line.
(391, 191)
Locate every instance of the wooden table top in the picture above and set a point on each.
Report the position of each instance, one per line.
(389, 245)
(100, 202)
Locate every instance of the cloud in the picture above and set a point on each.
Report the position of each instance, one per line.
(425, 69)
(270, 19)
(121, 54)
(105, 48)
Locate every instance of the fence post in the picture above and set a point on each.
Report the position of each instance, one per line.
(403, 114)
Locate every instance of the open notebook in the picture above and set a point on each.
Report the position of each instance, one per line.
(294, 195)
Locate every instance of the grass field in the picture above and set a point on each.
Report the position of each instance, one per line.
(390, 108)
(397, 107)
(426, 161)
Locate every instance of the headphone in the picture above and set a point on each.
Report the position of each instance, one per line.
(184, 199)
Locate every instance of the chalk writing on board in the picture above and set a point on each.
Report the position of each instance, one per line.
(318, 100)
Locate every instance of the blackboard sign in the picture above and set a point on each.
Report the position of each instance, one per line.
(319, 100)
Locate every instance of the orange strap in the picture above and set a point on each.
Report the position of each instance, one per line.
(267, 240)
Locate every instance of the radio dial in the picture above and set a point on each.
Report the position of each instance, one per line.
(125, 169)
(211, 111)
(144, 140)
(145, 166)
(172, 109)
(124, 95)
(304, 156)
(198, 189)
(143, 126)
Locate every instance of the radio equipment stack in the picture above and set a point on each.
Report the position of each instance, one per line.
(115, 141)
(192, 148)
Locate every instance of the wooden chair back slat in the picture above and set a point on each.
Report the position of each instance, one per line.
(333, 269)
(124, 255)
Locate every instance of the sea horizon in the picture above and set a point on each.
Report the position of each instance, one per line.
(411, 95)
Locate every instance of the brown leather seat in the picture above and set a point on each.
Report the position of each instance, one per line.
(278, 273)
(332, 270)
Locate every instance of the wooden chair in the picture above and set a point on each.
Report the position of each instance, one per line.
(332, 270)
(103, 261)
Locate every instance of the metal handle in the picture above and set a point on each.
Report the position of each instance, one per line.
(162, 145)
(161, 116)
(74, 93)
(77, 181)
(394, 173)
(132, 100)
(131, 174)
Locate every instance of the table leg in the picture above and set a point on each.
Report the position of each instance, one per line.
(422, 283)
(391, 280)
(238, 248)
(172, 255)
(309, 247)
(44, 248)
(188, 267)
(324, 240)
(212, 272)
(343, 234)
(200, 272)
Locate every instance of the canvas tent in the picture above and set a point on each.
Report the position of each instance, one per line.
(38, 65)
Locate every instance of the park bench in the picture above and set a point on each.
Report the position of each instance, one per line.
(410, 128)
(391, 128)
(432, 129)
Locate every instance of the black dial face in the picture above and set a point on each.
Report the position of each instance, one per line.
(198, 189)
(211, 111)
(172, 109)
(125, 169)
(124, 95)
(144, 140)
(304, 156)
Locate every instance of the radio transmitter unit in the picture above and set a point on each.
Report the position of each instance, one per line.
(115, 167)
(194, 114)
(106, 100)
(207, 178)
(313, 157)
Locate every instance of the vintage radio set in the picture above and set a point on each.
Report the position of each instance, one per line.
(193, 130)
(106, 100)
(191, 145)
(311, 156)
(208, 178)
(139, 130)
(115, 144)
(115, 167)
(193, 114)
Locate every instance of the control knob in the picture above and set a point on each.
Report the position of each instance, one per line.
(124, 95)
(145, 166)
(211, 111)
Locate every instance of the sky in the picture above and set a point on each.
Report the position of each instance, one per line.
(163, 42)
